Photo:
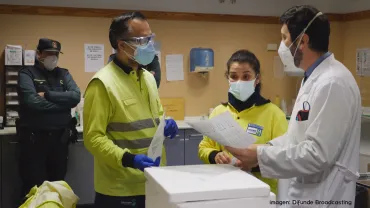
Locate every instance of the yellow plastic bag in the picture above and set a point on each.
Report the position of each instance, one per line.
(56, 194)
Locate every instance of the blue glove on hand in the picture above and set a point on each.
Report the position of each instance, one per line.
(143, 161)
(171, 129)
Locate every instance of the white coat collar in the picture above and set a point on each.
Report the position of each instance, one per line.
(321, 68)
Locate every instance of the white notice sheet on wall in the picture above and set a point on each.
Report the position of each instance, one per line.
(29, 57)
(175, 67)
(363, 62)
(94, 57)
(13, 55)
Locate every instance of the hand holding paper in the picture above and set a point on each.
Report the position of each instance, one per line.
(247, 156)
(142, 161)
(222, 158)
(171, 129)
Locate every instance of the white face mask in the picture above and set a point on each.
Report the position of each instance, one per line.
(242, 90)
(50, 62)
(287, 57)
(288, 60)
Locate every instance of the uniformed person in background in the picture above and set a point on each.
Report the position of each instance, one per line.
(154, 67)
(121, 113)
(46, 94)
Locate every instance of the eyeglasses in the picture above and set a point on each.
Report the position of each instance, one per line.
(141, 41)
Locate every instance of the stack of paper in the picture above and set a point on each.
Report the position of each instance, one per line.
(224, 130)
(12, 82)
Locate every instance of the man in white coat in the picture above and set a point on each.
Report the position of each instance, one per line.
(319, 154)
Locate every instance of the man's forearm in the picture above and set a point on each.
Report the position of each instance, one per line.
(38, 103)
(69, 98)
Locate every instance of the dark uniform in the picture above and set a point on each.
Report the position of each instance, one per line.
(153, 67)
(44, 126)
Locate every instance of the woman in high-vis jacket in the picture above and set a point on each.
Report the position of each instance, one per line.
(257, 115)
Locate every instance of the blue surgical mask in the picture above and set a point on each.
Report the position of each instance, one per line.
(242, 90)
(143, 55)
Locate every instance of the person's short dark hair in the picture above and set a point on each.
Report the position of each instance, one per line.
(119, 27)
(298, 17)
(242, 57)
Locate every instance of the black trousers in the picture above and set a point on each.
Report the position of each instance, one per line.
(104, 201)
(43, 157)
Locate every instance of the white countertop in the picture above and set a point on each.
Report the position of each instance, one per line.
(182, 125)
(12, 131)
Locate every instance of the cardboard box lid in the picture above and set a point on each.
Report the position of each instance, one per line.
(205, 182)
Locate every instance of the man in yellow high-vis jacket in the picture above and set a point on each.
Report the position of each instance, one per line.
(121, 114)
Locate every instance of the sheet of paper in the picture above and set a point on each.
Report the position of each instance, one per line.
(12, 94)
(29, 57)
(13, 55)
(155, 148)
(224, 130)
(10, 73)
(358, 62)
(12, 102)
(175, 67)
(12, 82)
(363, 62)
(366, 62)
(94, 57)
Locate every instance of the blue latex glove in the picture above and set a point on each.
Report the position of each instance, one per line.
(143, 161)
(157, 162)
(171, 129)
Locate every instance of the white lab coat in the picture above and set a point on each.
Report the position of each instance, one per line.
(319, 156)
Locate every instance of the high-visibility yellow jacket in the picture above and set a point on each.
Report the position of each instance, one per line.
(121, 115)
(55, 194)
(264, 122)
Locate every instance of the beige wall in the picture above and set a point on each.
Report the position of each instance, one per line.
(357, 35)
(176, 37)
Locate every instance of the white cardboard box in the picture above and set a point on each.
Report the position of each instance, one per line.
(205, 186)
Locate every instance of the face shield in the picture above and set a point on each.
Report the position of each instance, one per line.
(143, 48)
